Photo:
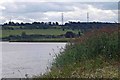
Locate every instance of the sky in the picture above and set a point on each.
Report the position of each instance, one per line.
(51, 10)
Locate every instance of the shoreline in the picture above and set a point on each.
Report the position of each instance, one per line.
(44, 40)
(36, 41)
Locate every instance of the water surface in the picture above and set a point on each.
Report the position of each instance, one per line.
(19, 59)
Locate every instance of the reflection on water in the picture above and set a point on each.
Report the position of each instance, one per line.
(28, 58)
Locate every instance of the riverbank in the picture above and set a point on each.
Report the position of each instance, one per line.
(43, 40)
(94, 55)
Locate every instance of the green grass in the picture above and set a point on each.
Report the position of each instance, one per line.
(45, 40)
(95, 55)
(96, 68)
(0, 33)
(15, 27)
(6, 33)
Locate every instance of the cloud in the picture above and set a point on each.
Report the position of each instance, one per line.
(30, 7)
(106, 5)
(2, 1)
(51, 11)
(102, 15)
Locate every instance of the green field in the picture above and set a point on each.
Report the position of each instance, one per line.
(0, 33)
(6, 33)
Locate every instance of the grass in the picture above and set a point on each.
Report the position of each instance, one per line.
(86, 69)
(0, 33)
(94, 55)
(45, 40)
(6, 33)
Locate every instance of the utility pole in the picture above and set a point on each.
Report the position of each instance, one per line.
(10, 20)
(62, 16)
(87, 16)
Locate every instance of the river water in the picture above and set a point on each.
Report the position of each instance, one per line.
(19, 59)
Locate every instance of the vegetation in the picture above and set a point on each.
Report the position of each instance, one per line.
(94, 55)
(55, 25)
(7, 33)
(39, 35)
(46, 30)
(45, 40)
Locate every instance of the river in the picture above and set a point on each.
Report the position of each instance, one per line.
(19, 59)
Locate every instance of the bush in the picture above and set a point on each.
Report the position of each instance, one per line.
(102, 42)
(69, 34)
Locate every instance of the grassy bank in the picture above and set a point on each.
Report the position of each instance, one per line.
(45, 40)
(94, 55)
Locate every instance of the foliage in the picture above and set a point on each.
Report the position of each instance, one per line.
(51, 25)
(93, 45)
(94, 55)
(69, 34)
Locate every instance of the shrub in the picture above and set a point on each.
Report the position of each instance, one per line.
(101, 42)
(69, 34)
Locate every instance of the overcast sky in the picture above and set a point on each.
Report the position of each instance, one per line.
(50, 10)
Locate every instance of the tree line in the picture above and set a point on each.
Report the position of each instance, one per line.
(49, 25)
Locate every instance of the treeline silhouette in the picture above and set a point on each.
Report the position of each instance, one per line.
(49, 25)
(34, 25)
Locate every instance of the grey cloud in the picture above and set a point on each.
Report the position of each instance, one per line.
(105, 5)
(99, 5)
(29, 7)
(33, 10)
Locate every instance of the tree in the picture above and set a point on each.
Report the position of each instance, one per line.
(49, 23)
(69, 34)
(63, 29)
(23, 34)
(57, 23)
(79, 33)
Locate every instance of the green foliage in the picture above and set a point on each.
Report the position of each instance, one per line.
(102, 45)
(95, 57)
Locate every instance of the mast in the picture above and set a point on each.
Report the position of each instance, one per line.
(87, 16)
(62, 16)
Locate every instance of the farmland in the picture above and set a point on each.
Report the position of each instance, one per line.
(6, 33)
(38, 35)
